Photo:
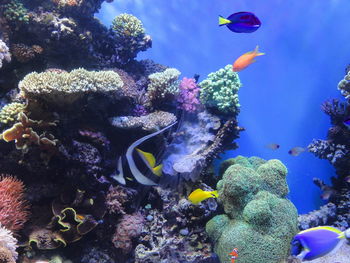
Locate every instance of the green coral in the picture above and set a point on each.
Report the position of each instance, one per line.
(126, 25)
(15, 11)
(344, 86)
(163, 85)
(9, 112)
(220, 90)
(64, 88)
(258, 219)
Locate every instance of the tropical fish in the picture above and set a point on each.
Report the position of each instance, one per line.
(147, 158)
(150, 161)
(317, 242)
(234, 255)
(246, 59)
(273, 146)
(296, 151)
(347, 123)
(199, 195)
(241, 22)
(133, 168)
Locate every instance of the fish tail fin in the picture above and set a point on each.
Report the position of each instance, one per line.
(256, 51)
(158, 170)
(215, 193)
(223, 21)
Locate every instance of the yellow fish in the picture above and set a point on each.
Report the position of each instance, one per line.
(246, 59)
(150, 161)
(199, 195)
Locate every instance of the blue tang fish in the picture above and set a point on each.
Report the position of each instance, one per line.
(241, 22)
(317, 242)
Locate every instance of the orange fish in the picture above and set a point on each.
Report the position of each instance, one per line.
(246, 59)
(234, 255)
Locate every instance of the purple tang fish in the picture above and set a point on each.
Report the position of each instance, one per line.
(316, 242)
(241, 22)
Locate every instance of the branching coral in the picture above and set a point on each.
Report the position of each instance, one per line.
(220, 90)
(62, 89)
(9, 113)
(188, 95)
(8, 246)
(150, 122)
(130, 37)
(336, 110)
(24, 135)
(327, 150)
(4, 53)
(13, 207)
(14, 11)
(163, 85)
(24, 53)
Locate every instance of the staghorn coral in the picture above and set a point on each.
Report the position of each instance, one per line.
(258, 218)
(24, 53)
(4, 53)
(324, 149)
(9, 113)
(8, 246)
(188, 95)
(62, 89)
(163, 85)
(150, 122)
(13, 207)
(128, 228)
(219, 91)
(130, 37)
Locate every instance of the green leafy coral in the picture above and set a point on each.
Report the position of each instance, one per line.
(220, 90)
(15, 11)
(258, 218)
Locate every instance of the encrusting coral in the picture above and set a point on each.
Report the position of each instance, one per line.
(63, 89)
(219, 90)
(8, 246)
(258, 218)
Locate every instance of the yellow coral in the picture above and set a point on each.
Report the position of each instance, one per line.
(10, 112)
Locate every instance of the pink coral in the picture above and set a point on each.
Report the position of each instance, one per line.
(13, 208)
(129, 227)
(188, 96)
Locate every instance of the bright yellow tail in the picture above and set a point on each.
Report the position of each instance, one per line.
(223, 21)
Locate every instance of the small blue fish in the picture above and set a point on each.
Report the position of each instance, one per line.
(241, 22)
(317, 242)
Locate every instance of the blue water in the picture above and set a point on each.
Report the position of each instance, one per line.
(307, 49)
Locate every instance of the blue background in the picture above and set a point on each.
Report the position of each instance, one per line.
(307, 49)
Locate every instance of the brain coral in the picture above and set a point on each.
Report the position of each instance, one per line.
(220, 89)
(8, 246)
(64, 88)
(258, 218)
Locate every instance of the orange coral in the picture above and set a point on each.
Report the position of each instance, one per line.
(13, 207)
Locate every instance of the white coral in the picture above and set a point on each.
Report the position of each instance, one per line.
(4, 52)
(8, 242)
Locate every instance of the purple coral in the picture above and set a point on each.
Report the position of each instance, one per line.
(188, 96)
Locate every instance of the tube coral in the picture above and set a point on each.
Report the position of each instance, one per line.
(13, 207)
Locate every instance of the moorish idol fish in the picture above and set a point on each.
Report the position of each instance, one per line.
(146, 157)
(317, 242)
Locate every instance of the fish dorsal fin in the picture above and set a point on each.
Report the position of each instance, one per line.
(223, 21)
(147, 157)
(158, 170)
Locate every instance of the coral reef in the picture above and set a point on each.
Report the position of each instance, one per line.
(258, 218)
(9, 113)
(13, 207)
(219, 91)
(188, 95)
(4, 53)
(149, 122)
